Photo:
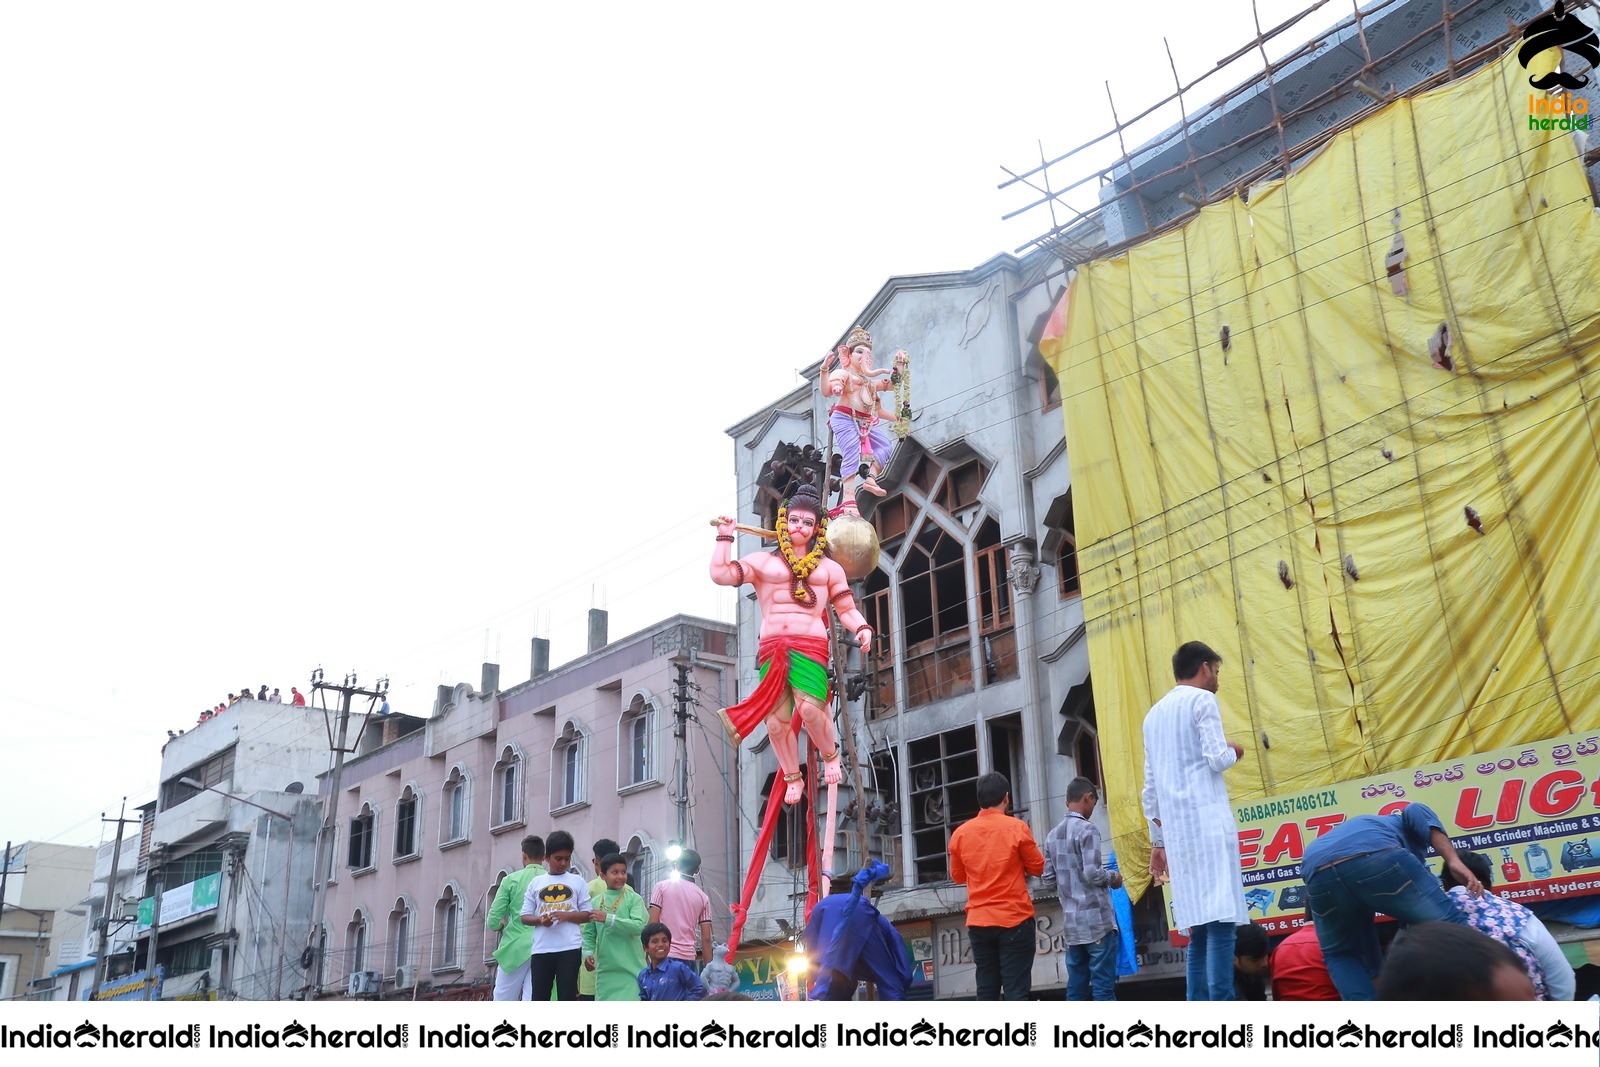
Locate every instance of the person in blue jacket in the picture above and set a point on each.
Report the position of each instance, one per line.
(850, 942)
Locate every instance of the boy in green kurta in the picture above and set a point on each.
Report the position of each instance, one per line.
(611, 946)
(597, 885)
(512, 977)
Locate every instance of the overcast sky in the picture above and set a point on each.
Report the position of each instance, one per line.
(386, 337)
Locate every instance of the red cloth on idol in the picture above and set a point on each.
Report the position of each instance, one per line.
(743, 718)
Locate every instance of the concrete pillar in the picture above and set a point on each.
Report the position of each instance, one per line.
(541, 657)
(598, 619)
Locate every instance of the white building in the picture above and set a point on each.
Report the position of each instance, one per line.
(229, 850)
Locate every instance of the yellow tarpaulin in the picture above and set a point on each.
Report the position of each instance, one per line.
(1398, 560)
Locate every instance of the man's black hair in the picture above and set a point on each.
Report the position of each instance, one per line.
(1190, 657)
(1443, 961)
(992, 789)
(610, 860)
(605, 847)
(559, 841)
(652, 929)
(689, 861)
(1477, 863)
(1249, 941)
(533, 847)
(1079, 788)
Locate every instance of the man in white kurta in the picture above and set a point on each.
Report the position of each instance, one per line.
(1193, 836)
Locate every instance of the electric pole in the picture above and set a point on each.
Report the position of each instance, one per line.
(680, 730)
(101, 963)
(5, 869)
(347, 693)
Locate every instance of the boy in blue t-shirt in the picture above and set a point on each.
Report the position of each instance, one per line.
(666, 979)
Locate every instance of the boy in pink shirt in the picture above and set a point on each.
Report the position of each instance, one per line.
(682, 906)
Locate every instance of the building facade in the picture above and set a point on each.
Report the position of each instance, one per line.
(978, 662)
(431, 821)
(42, 922)
(226, 854)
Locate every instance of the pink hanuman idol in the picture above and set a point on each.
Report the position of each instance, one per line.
(795, 586)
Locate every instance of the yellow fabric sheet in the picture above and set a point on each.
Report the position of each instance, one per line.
(1324, 434)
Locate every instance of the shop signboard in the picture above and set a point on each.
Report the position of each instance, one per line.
(1532, 809)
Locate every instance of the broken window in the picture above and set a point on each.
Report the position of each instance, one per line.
(789, 836)
(1061, 544)
(892, 517)
(880, 661)
(962, 485)
(996, 625)
(1079, 738)
(925, 475)
(1006, 757)
(938, 632)
(944, 794)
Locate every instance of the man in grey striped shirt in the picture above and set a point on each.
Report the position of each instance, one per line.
(1072, 863)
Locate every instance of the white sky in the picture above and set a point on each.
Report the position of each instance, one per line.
(388, 336)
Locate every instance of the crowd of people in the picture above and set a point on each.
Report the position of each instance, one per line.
(574, 938)
(274, 697)
(1458, 940)
(1366, 866)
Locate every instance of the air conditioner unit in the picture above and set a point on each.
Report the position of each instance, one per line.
(405, 977)
(363, 983)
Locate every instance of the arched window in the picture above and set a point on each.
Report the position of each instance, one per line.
(447, 913)
(455, 816)
(330, 858)
(491, 938)
(1061, 544)
(1079, 737)
(400, 931)
(363, 835)
(641, 867)
(356, 934)
(508, 787)
(636, 743)
(407, 820)
(569, 768)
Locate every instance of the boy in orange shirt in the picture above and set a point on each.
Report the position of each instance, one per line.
(993, 853)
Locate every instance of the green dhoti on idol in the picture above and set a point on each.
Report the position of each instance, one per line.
(795, 586)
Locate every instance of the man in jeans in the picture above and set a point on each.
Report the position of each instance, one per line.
(1073, 865)
(1191, 819)
(1374, 863)
(993, 853)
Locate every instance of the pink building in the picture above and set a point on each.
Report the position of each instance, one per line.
(432, 818)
